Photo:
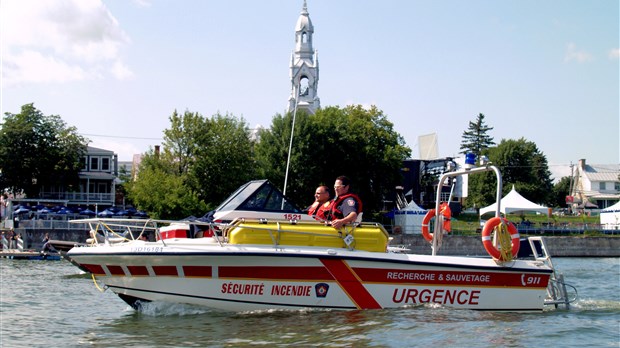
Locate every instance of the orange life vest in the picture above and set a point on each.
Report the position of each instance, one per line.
(336, 213)
(320, 211)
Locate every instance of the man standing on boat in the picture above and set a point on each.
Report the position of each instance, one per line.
(322, 204)
(347, 206)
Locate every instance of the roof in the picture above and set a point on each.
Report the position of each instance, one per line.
(602, 172)
(513, 202)
(95, 150)
(613, 209)
(411, 209)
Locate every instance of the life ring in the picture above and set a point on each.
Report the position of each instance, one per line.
(444, 209)
(489, 227)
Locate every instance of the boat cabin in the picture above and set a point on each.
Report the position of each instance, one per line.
(258, 199)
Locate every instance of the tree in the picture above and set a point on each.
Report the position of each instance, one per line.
(202, 162)
(475, 138)
(352, 141)
(521, 165)
(163, 192)
(560, 191)
(38, 151)
(224, 158)
(181, 139)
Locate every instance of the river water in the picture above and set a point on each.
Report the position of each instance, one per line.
(50, 304)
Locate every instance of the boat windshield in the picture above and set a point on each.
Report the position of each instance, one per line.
(258, 195)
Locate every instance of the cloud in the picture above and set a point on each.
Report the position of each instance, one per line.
(614, 53)
(59, 41)
(142, 3)
(34, 67)
(124, 149)
(572, 54)
(121, 71)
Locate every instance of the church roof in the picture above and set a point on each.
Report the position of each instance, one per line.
(304, 21)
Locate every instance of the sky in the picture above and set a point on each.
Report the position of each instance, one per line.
(545, 71)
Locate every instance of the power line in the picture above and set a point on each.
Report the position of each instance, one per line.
(120, 137)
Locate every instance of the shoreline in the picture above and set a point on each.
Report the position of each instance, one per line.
(453, 245)
(558, 246)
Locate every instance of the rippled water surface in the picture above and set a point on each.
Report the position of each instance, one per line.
(50, 304)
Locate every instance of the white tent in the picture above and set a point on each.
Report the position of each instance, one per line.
(513, 202)
(610, 217)
(410, 218)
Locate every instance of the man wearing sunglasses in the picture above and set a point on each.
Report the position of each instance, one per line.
(347, 206)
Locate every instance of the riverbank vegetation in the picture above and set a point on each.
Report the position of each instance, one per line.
(534, 224)
(204, 159)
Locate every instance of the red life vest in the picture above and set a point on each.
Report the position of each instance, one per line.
(320, 211)
(336, 213)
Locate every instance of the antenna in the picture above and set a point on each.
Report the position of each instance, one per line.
(290, 145)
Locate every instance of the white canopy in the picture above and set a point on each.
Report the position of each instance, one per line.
(610, 217)
(513, 202)
(410, 218)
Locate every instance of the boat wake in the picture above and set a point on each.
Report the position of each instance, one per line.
(596, 305)
(163, 309)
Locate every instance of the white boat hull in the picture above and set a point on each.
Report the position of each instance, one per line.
(258, 277)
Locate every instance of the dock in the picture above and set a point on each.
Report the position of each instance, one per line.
(29, 255)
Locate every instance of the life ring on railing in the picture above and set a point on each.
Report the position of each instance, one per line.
(489, 226)
(444, 209)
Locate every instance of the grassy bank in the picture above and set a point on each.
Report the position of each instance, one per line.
(470, 223)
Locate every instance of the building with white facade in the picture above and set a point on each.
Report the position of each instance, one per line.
(597, 184)
(304, 67)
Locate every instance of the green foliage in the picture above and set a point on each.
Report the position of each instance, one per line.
(162, 192)
(470, 223)
(353, 141)
(181, 140)
(521, 165)
(203, 161)
(475, 138)
(224, 158)
(560, 191)
(38, 151)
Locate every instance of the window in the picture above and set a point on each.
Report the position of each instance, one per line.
(602, 186)
(83, 163)
(105, 164)
(94, 163)
(617, 186)
(303, 86)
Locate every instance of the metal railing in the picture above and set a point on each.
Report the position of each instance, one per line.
(91, 198)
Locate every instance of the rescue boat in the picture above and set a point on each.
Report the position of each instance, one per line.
(259, 252)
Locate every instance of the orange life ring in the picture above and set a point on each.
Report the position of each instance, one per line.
(444, 209)
(489, 226)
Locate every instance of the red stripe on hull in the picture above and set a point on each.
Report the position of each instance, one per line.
(197, 271)
(165, 270)
(351, 284)
(138, 270)
(116, 270)
(94, 269)
(452, 278)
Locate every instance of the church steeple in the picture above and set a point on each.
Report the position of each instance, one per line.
(304, 67)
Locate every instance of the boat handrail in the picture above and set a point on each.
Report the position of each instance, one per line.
(557, 293)
(437, 236)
